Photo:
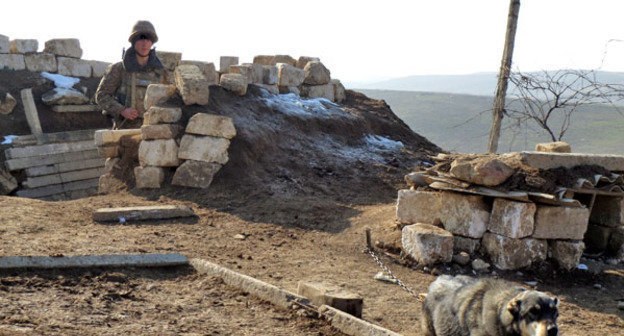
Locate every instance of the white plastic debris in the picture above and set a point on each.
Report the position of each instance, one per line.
(8, 139)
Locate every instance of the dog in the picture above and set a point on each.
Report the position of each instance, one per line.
(464, 306)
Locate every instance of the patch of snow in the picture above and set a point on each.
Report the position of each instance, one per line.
(61, 81)
(294, 105)
(582, 267)
(372, 148)
(380, 143)
(8, 139)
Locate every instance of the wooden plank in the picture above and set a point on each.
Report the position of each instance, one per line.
(63, 167)
(32, 117)
(29, 140)
(58, 188)
(35, 161)
(46, 180)
(142, 213)
(87, 261)
(76, 108)
(112, 137)
(49, 149)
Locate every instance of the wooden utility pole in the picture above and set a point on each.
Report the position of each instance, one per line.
(503, 76)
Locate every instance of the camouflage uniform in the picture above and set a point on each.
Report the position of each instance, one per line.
(114, 92)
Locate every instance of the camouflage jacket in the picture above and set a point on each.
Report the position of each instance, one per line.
(114, 92)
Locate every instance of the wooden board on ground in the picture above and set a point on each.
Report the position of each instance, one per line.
(49, 149)
(142, 213)
(58, 188)
(63, 167)
(29, 140)
(16, 164)
(46, 180)
(83, 261)
(75, 108)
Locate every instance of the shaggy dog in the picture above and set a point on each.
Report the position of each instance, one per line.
(463, 306)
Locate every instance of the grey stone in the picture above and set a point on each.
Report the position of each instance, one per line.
(246, 70)
(8, 183)
(303, 61)
(7, 104)
(149, 177)
(160, 153)
(273, 89)
(90, 261)
(340, 94)
(316, 73)
(512, 219)
(12, 62)
(465, 244)
(560, 222)
(207, 68)
(264, 59)
(41, 62)
(487, 171)
(98, 68)
(204, 148)
(318, 91)
(225, 62)
(427, 244)
(162, 131)
(5, 44)
(64, 47)
(462, 258)
(539, 160)
(162, 115)
(25, 46)
(511, 254)
(62, 96)
(480, 266)
(157, 94)
(566, 253)
(193, 86)
(285, 59)
(288, 75)
(212, 125)
(78, 175)
(269, 75)
(73, 67)
(142, 213)
(170, 60)
(553, 147)
(320, 293)
(234, 82)
(195, 174)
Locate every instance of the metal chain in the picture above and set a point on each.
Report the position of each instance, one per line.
(387, 271)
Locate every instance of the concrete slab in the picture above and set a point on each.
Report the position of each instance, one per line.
(35, 161)
(32, 117)
(57, 188)
(41, 181)
(29, 140)
(54, 148)
(75, 108)
(111, 137)
(352, 325)
(86, 261)
(142, 213)
(64, 167)
(540, 160)
(320, 293)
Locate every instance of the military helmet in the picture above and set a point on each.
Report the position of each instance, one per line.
(143, 27)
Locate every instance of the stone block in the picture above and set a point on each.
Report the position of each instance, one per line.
(225, 62)
(7, 104)
(142, 213)
(26, 162)
(597, 238)
(487, 171)
(340, 93)
(285, 59)
(5, 44)
(62, 96)
(289, 89)
(269, 75)
(64, 167)
(512, 219)
(98, 68)
(157, 94)
(511, 254)
(320, 293)
(107, 137)
(25, 46)
(316, 73)
(160, 153)
(553, 147)
(40, 62)
(257, 71)
(318, 91)
(149, 177)
(560, 222)
(111, 151)
(76, 108)
(66, 177)
(162, 115)
(303, 61)
(163, 131)
(73, 67)
(288, 75)
(170, 60)
(207, 68)
(465, 244)
(193, 86)
(212, 125)
(94, 261)
(540, 160)
(465, 215)
(245, 70)
(427, 244)
(8, 183)
(195, 174)
(64, 47)
(12, 62)
(30, 110)
(235, 83)
(607, 211)
(567, 254)
(273, 89)
(264, 59)
(204, 148)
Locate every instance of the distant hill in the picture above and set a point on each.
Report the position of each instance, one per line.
(459, 122)
(482, 84)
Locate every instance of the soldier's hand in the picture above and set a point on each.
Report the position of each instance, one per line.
(130, 113)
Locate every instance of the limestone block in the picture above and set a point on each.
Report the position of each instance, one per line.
(607, 211)
(540, 160)
(273, 89)
(40, 62)
(142, 213)
(512, 219)
(63, 47)
(244, 69)
(257, 71)
(320, 293)
(62, 96)
(25, 46)
(560, 222)
(12, 62)
(170, 60)
(8, 183)
(76, 108)
(212, 125)
(207, 68)
(225, 62)
(7, 104)
(303, 61)
(289, 89)
(285, 59)
(427, 244)
(195, 174)
(204, 148)
(269, 74)
(149, 177)
(111, 151)
(316, 73)
(163, 131)
(5, 44)
(264, 59)
(160, 153)
(162, 115)
(567, 254)
(235, 83)
(318, 91)
(107, 137)
(340, 94)
(465, 244)
(288, 75)
(98, 68)
(193, 86)
(157, 94)
(465, 215)
(553, 147)
(73, 67)
(597, 238)
(487, 171)
(510, 253)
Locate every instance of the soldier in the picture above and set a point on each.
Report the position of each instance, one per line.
(122, 89)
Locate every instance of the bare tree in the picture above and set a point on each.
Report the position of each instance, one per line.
(550, 98)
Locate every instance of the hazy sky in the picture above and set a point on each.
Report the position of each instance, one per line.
(358, 40)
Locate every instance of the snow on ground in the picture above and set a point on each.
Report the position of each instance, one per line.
(373, 148)
(294, 105)
(8, 139)
(61, 81)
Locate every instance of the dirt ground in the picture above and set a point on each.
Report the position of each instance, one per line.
(287, 240)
